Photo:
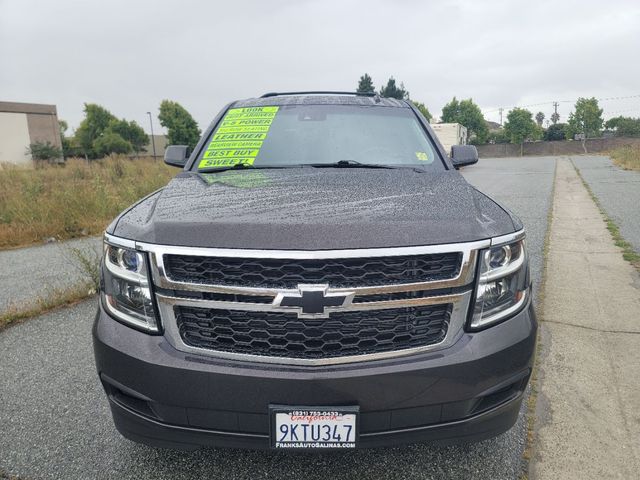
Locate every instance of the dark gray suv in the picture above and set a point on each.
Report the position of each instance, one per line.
(319, 275)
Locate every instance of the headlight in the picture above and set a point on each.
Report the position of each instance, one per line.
(125, 287)
(503, 284)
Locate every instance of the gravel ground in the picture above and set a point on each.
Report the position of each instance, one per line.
(618, 192)
(28, 274)
(56, 423)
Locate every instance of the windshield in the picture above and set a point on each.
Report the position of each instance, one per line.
(319, 135)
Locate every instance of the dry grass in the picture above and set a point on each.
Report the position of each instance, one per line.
(627, 157)
(53, 300)
(71, 201)
(87, 263)
(532, 400)
(628, 252)
(7, 476)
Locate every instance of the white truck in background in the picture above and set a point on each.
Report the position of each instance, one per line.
(450, 134)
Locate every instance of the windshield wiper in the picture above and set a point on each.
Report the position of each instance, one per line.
(338, 164)
(243, 166)
(349, 164)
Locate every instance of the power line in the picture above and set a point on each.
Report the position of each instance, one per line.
(516, 106)
(636, 109)
(605, 99)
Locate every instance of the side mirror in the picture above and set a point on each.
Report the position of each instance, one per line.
(176, 155)
(462, 155)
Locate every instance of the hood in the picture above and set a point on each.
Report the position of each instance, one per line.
(314, 209)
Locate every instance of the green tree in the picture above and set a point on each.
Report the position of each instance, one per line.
(66, 142)
(110, 142)
(555, 117)
(96, 121)
(63, 126)
(624, 126)
(555, 132)
(613, 122)
(131, 132)
(497, 136)
(423, 110)
(629, 127)
(182, 129)
(539, 118)
(466, 113)
(391, 90)
(520, 126)
(365, 85)
(586, 118)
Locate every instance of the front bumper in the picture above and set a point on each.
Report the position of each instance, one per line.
(163, 397)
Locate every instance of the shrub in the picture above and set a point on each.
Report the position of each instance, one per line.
(555, 132)
(44, 151)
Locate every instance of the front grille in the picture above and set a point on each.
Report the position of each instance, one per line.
(288, 273)
(346, 333)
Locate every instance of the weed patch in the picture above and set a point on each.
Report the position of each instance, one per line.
(627, 157)
(74, 200)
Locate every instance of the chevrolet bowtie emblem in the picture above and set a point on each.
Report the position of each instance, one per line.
(313, 301)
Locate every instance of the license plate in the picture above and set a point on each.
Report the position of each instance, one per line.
(314, 427)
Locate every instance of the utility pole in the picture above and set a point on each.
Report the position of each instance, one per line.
(555, 116)
(153, 142)
(500, 110)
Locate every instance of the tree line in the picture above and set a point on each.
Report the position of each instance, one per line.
(521, 124)
(391, 90)
(585, 121)
(101, 133)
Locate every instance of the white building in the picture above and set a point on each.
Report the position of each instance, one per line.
(450, 134)
(22, 124)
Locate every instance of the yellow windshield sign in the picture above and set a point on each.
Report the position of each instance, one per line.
(252, 112)
(225, 162)
(236, 144)
(236, 152)
(239, 137)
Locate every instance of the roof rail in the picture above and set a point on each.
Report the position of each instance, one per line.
(318, 92)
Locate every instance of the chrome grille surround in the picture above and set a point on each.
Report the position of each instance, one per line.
(463, 283)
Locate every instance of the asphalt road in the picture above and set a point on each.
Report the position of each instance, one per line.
(617, 191)
(30, 274)
(55, 422)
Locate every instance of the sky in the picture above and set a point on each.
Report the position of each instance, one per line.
(130, 55)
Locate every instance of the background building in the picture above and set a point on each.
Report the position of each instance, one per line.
(450, 134)
(160, 142)
(22, 124)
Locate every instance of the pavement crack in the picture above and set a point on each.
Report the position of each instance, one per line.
(601, 330)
